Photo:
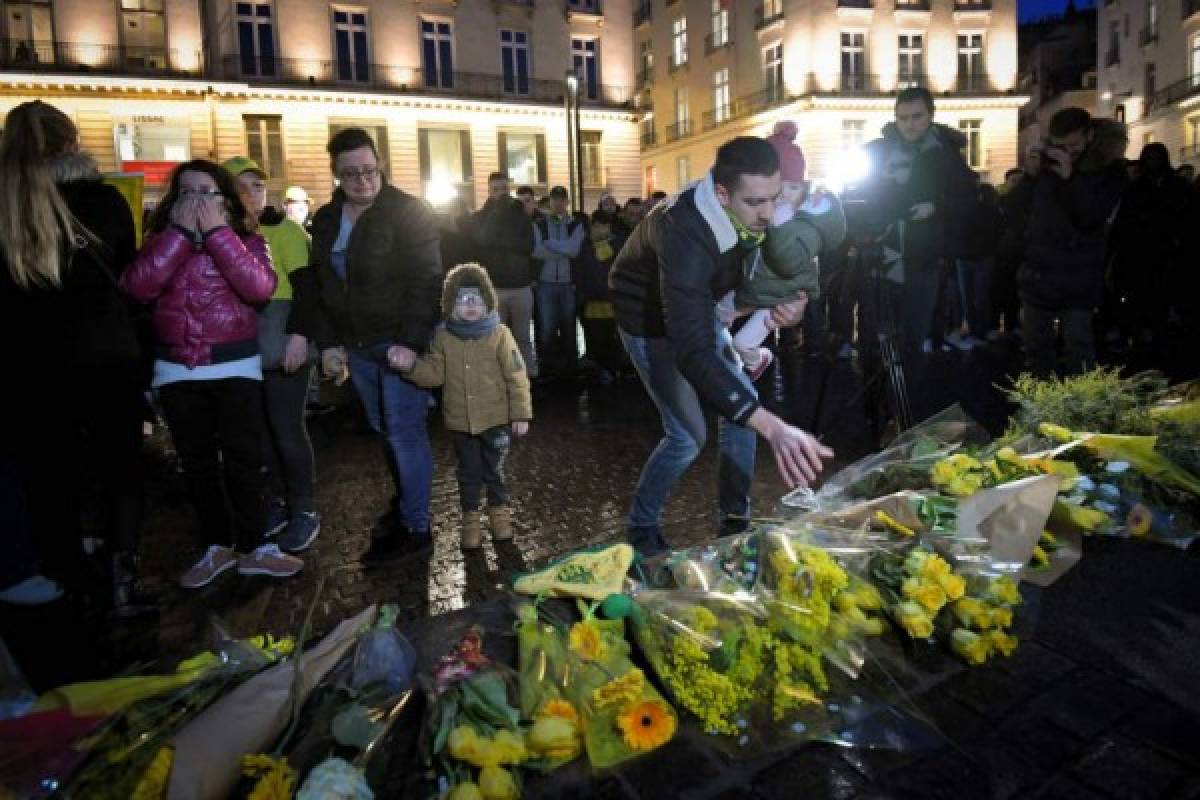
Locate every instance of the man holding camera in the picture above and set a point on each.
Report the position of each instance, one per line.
(1068, 202)
(917, 196)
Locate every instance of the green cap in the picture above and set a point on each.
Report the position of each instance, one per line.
(239, 164)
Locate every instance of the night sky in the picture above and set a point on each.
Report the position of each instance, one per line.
(1028, 10)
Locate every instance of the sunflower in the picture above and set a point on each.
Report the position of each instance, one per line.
(585, 641)
(561, 709)
(646, 725)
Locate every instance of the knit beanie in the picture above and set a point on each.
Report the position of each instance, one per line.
(791, 159)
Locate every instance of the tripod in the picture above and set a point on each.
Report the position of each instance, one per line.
(884, 393)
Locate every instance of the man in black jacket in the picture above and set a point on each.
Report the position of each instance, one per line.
(504, 240)
(665, 283)
(1068, 205)
(374, 286)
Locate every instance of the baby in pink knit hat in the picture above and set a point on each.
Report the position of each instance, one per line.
(785, 268)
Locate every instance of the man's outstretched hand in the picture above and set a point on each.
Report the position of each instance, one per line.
(798, 455)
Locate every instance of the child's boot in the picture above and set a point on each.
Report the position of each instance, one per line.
(472, 530)
(501, 519)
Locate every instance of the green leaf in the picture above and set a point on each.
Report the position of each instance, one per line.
(485, 697)
(447, 717)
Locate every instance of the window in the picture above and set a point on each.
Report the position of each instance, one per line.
(679, 44)
(683, 172)
(523, 157)
(514, 61)
(437, 54)
(264, 143)
(1119, 113)
(1151, 19)
(651, 179)
(772, 8)
(973, 149)
(583, 60)
(144, 33)
(854, 60)
(646, 56)
(445, 157)
(720, 23)
(970, 61)
(1194, 60)
(1193, 124)
(350, 46)
(375, 129)
(773, 69)
(591, 147)
(29, 29)
(256, 39)
(647, 130)
(911, 68)
(1114, 44)
(1151, 74)
(721, 95)
(853, 133)
(681, 108)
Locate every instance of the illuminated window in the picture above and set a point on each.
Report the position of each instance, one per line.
(437, 54)
(514, 61)
(973, 149)
(351, 53)
(583, 59)
(911, 68)
(721, 95)
(29, 33)
(523, 157)
(143, 34)
(445, 159)
(854, 60)
(256, 39)
(590, 144)
(971, 75)
(679, 42)
(773, 69)
(720, 23)
(853, 133)
(683, 172)
(682, 112)
(264, 143)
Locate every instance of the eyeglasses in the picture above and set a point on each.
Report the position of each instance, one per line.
(366, 173)
(200, 193)
(468, 300)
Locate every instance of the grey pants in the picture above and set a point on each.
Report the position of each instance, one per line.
(516, 311)
(287, 450)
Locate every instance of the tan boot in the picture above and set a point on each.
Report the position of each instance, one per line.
(472, 530)
(501, 519)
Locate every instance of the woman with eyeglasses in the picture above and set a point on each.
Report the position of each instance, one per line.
(203, 269)
(373, 286)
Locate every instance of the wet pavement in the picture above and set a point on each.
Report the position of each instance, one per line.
(1101, 703)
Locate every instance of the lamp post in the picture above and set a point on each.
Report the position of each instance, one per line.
(574, 169)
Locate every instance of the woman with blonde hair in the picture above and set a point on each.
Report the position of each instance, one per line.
(73, 364)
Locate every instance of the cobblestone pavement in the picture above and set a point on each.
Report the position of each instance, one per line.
(1101, 703)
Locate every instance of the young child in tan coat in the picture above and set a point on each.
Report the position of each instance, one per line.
(485, 395)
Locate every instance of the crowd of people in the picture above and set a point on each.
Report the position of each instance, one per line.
(230, 310)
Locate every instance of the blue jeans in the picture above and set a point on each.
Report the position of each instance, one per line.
(556, 325)
(684, 434)
(397, 409)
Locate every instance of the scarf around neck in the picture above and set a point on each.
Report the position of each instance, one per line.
(473, 330)
(747, 238)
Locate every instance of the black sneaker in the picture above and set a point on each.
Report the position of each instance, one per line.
(277, 517)
(301, 532)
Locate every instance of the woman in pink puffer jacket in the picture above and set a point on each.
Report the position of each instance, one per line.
(203, 269)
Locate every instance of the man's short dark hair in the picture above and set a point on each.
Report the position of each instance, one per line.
(349, 139)
(525, 191)
(498, 176)
(916, 94)
(558, 191)
(633, 201)
(744, 155)
(658, 195)
(1069, 120)
(1014, 171)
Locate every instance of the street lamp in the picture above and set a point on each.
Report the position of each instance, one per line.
(574, 145)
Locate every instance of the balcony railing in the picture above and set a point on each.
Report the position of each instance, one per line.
(593, 7)
(385, 77)
(677, 61)
(1190, 7)
(1148, 34)
(912, 5)
(860, 83)
(679, 130)
(717, 41)
(745, 106)
(764, 20)
(642, 14)
(973, 82)
(101, 59)
(972, 5)
(855, 4)
(1179, 90)
(645, 76)
(648, 138)
(718, 116)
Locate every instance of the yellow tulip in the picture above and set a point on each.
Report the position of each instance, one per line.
(1002, 643)
(845, 601)
(496, 783)
(916, 623)
(509, 747)
(973, 613)
(1001, 617)
(867, 597)
(464, 791)
(930, 596)
(970, 646)
(933, 566)
(554, 738)
(463, 743)
(953, 585)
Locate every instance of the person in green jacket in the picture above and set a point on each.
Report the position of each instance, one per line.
(287, 363)
(485, 394)
(786, 266)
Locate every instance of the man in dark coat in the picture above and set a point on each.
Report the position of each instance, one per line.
(1068, 208)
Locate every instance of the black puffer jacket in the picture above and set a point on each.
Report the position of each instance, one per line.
(666, 281)
(504, 240)
(393, 275)
(1068, 221)
(936, 173)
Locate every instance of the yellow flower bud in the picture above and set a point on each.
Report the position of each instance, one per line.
(953, 585)
(554, 738)
(845, 601)
(1001, 617)
(970, 646)
(510, 748)
(463, 744)
(867, 597)
(930, 596)
(464, 791)
(1002, 643)
(972, 613)
(496, 783)
(916, 623)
